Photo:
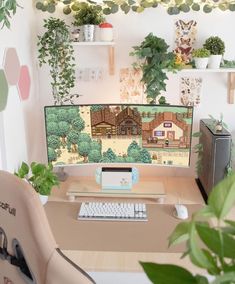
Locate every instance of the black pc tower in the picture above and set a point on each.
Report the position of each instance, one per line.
(216, 155)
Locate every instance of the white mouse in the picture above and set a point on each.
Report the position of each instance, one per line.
(181, 211)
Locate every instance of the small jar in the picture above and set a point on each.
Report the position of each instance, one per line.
(106, 32)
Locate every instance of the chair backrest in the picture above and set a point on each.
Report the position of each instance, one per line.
(28, 251)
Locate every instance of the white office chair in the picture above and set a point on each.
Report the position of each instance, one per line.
(28, 251)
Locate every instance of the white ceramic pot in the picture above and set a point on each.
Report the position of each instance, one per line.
(43, 198)
(201, 63)
(214, 61)
(106, 32)
(89, 32)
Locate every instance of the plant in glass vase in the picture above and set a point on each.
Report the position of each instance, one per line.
(55, 48)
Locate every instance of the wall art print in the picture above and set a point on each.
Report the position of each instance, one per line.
(185, 37)
(131, 87)
(190, 91)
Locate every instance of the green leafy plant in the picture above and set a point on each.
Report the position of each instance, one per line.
(55, 48)
(173, 7)
(198, 149)
(87, 14)
(201, 53)
(215, 45)
(228, 64)
(40, 176)
(210, 242)
(154, 60)
(7, 10)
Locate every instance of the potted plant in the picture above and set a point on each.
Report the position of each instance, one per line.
(154, 61)
(55, 48)
(216, 47)
(40, 176)
(201, 57)
(210, 242)
(88, 16)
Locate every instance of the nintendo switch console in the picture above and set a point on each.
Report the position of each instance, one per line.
(111, 178)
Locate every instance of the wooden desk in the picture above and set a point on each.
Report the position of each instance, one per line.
(120, 240)
(183, 189)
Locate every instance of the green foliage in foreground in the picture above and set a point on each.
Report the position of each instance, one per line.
(210, 242)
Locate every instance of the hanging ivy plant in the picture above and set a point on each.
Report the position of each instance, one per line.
(113, 6)
(154, 61)
(7, 9)
(55, 48)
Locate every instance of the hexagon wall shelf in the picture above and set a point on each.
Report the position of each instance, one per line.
(3, 90)
(24, 83)
(11, 66)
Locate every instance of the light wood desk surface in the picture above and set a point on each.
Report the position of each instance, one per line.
(177, 189)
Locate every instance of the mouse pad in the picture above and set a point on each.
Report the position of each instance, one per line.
(150, 236)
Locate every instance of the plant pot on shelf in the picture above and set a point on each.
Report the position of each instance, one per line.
(106, 32)
(201, 63)
(43, 198)
(214, 61)
(89, 32)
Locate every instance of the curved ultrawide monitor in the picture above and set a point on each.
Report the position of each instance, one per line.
(120, 133)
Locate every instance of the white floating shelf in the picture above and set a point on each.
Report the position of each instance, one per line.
(95, 43)
(109, 44)
(219, 70)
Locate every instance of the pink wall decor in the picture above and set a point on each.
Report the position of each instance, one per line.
(11, 65)
(3, 90)
(24, 82)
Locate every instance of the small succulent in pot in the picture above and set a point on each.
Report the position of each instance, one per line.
(201, 53)
(201, 57)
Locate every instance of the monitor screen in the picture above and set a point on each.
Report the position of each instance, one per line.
(145, 134)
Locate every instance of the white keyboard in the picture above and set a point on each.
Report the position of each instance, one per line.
(112, 211)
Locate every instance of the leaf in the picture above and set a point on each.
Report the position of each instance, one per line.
(222, 197)
(220, 243)
(201, 279)
(180, 233)
(206, 211)
(23, 170)
(197, 134)
(197, 255)
(167, 274)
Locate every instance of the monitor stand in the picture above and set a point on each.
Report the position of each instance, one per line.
(61, 174)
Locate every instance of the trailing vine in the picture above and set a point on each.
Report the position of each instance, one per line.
(154, 60)
(173, 7)
(7, 10)
(55, 48)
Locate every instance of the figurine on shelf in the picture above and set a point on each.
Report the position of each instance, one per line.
(75, 35)
(219, 125)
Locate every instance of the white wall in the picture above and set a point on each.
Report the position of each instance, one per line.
(130, 30)
(21, 128)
